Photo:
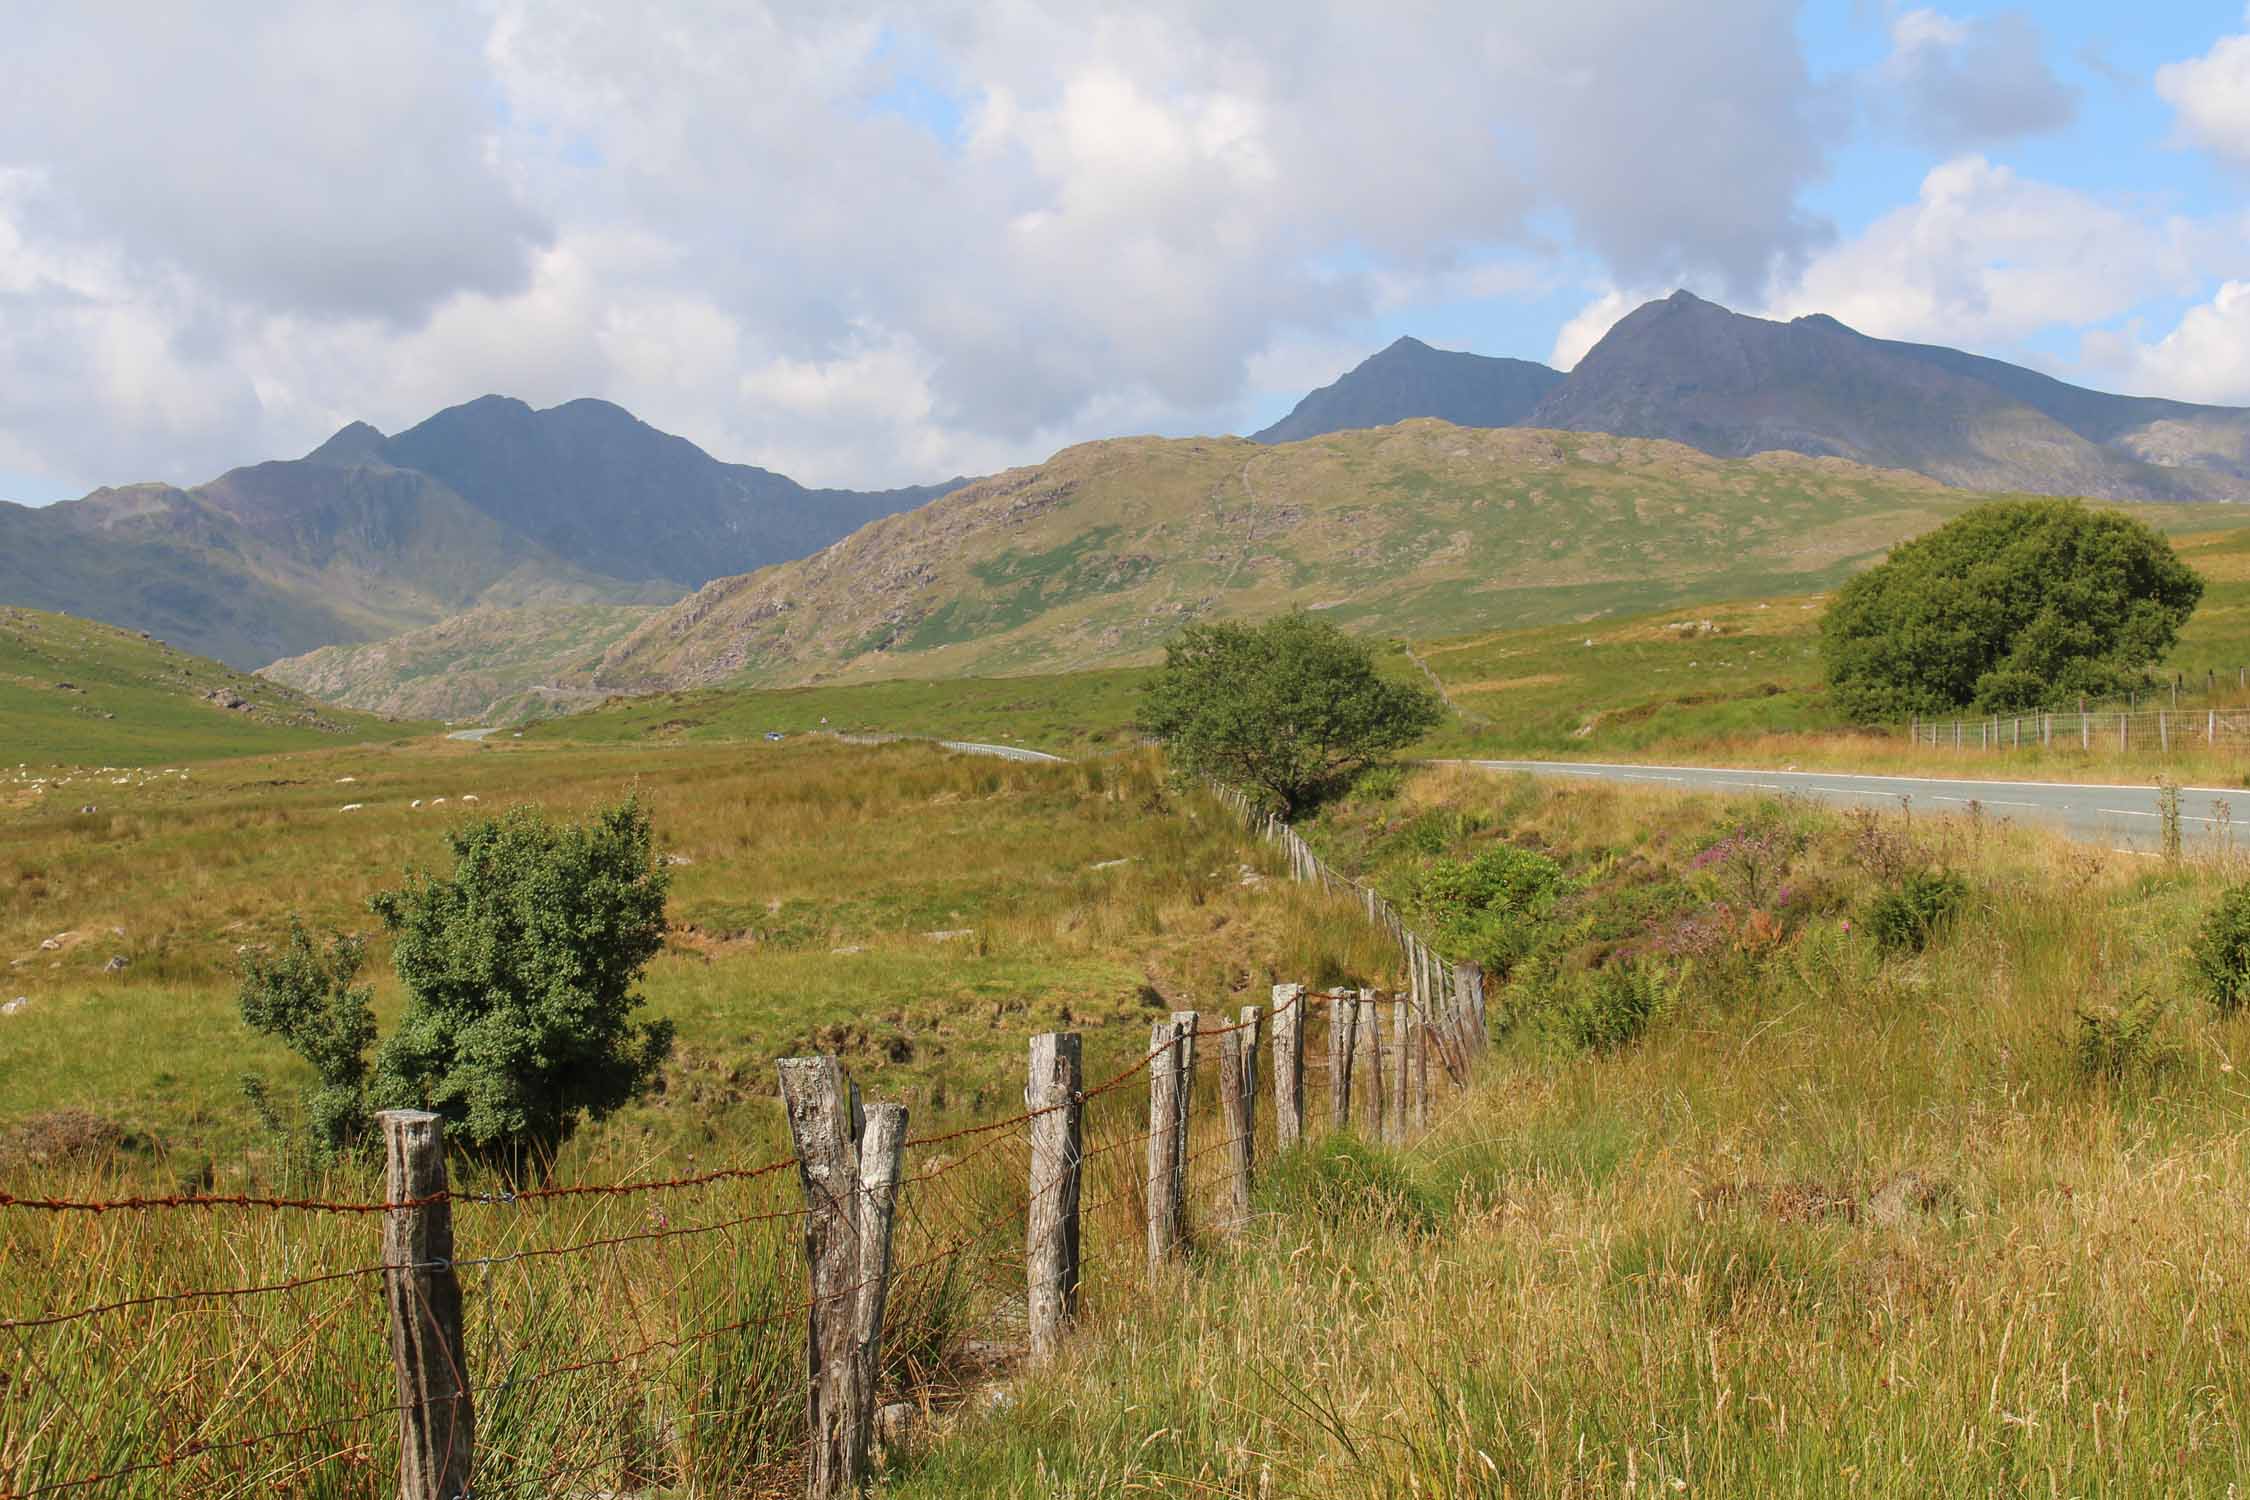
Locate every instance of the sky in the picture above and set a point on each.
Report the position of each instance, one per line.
(868, 244)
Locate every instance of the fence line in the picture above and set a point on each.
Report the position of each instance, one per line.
(2163, 730)
(1197, 1181)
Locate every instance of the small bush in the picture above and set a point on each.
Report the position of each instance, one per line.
(1493, 908)
(2112, 1044)
(1905, 918)
(2221, 950)
(1382, 784)
(1607, 1009)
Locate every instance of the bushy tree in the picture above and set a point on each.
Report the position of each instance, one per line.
(1288, 708)
(2016, 605)
(519, 969)
(304, 997)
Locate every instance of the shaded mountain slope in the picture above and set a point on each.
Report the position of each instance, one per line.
(1411, 379)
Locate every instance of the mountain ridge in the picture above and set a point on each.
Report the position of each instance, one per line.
(1732, 385)
(491, 503)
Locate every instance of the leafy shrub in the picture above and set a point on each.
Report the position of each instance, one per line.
(519, 969)
(1379, 785)
(1340, 1180)
(2221, 950)
(1905, 918)
(1492, 908)
(2110, 1044)
(305, 999)
(1608, 1008)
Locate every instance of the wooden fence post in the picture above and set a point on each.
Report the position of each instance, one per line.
(437, 1421)
(1468, 979)
(1235, 1085)
(1166, 1080)
(850, 1186)
(1253, 1023)
(1367, 1063)
(1288, 1065)
(1343, 1016)
(1057, 1157)
(1402, 1067)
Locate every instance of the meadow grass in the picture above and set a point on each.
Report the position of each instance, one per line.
(1839, 1223)
(809, 880)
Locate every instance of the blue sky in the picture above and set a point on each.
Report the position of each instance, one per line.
(865, 243)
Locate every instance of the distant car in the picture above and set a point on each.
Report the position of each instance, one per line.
(773, 734)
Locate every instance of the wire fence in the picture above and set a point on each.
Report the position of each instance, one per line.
(621, 1336)
(2163, 730)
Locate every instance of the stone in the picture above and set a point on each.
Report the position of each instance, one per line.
(949, 934)
(117, 964)
(675, 859)
(15, 1006)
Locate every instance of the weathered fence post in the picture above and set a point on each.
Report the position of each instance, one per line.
(1367, 1063)
(436, 1420)
(1253, 1023)
(850, 1185)
(2164, 727)
(1166, 1122)
(1402, 1067)
(1468, 981)
(1057, 1158)
(1235, 1084)
(1343, 1016)
(1288, 1065)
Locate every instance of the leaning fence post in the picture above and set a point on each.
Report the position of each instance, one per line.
(1057, 1157)
(1164, 1130)
(850, 1184)
(1234, 1119)
(436, 1419)
(1190, 1022)
(1288, 1065)
(1468, 979)
(1343, 1014)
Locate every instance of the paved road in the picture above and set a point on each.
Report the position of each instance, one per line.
(471, 734)
(2123, 817)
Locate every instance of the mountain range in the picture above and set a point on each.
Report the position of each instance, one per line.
(495, 557)
(1733, 385)
(488, 504)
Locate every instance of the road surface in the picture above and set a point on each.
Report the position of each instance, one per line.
(2122, 817)
(1005, 752)
(471, 734)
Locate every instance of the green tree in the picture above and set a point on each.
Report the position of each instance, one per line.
(1288, 708)
(519, 969)
(305, 998)
(2016, 605)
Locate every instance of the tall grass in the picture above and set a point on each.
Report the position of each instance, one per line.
(1841, 1223)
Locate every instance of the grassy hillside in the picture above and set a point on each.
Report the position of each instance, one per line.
(76, 692)
(1099, 555)
(490, 665)
(1073, 712)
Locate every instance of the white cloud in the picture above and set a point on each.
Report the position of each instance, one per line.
(1985, 257)
(226, 229)
(2206, 357)
(1953, 83)
(2210, 96)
